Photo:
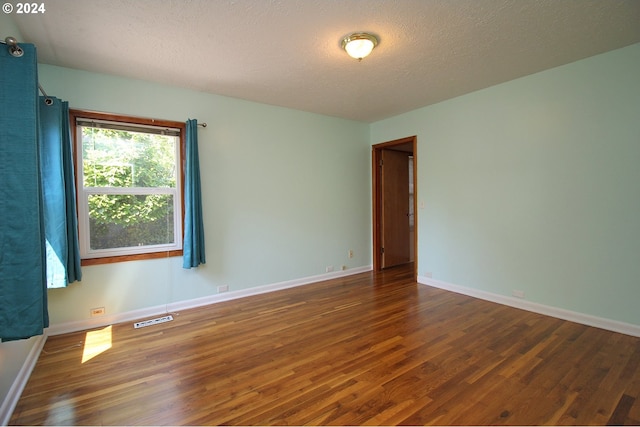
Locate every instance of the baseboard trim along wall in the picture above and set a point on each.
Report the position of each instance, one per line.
(98, 322)
(15, 391)
(8, 405)
(560, 313)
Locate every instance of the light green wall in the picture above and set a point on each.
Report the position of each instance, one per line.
(534, 185)
(285, 194)
(8, 28)
(531, 185)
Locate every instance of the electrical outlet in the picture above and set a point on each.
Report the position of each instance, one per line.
(350, 254)
(517, 294)
(329, 268)
(428, 274)
(98, 311)
(223, 288)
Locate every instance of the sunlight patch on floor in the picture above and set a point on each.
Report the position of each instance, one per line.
(96, 342)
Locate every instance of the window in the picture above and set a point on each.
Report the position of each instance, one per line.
(129, 186)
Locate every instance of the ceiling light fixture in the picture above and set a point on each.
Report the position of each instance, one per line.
(359, 45)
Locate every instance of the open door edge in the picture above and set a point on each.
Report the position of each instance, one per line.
(376, 156)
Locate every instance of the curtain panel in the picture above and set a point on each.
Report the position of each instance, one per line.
(59, 194)
(193, 245)
(23, 290)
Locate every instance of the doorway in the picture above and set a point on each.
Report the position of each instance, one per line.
(394, 203)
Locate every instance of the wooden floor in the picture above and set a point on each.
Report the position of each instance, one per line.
(375, 349)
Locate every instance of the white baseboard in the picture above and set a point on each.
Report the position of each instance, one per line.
(15, 391)
(560, 313)
(98, 322)
(9, 404)
(228, 296)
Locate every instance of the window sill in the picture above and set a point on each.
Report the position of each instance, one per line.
(124, 258)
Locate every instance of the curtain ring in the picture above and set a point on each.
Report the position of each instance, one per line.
(14, 49)
(47, 100)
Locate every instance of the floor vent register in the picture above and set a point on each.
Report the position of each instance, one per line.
(151, 322)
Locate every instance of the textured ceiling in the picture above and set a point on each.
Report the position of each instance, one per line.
(287, 52)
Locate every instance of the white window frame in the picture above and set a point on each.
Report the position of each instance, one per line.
(83, 193)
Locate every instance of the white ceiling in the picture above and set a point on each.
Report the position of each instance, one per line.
(287, 52)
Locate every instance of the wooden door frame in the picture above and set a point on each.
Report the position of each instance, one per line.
(376, 156)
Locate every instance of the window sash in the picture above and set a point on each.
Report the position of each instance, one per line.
(85, 192)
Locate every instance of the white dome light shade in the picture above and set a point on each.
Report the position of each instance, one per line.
(359, 45)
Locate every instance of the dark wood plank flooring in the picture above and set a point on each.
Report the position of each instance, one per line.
(369, 349)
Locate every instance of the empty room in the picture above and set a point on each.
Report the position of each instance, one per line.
(287, 212)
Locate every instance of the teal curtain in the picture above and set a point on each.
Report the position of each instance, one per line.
(193, 245)
(23, 289)
(59, 194)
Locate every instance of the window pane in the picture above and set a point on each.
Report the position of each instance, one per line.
(120, 221)
(120, 158)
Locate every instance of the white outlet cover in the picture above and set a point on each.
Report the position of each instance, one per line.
(98, 311)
